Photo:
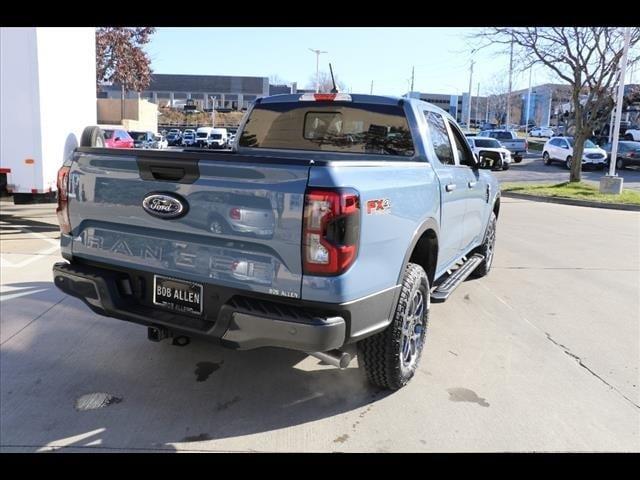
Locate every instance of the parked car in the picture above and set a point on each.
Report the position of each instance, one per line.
(202, 136)
(560, 149)
(143, 139)
(160, 142)
(509, 140)
(345, 264)
(632, 133)
(188, 139)
(489, 149)
(541, 132)
(117, 138)
(232, 213)
(174, 137)
(218, 138)
(628, 153)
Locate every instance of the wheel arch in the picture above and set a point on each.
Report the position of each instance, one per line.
(423, 250)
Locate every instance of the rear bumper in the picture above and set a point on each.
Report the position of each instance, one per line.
(230, 316)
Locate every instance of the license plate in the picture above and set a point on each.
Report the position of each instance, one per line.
(178, 295)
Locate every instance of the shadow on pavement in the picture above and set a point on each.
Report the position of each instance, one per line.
(160, 394)
(15, 220)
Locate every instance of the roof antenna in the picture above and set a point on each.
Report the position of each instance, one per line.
(334, 89)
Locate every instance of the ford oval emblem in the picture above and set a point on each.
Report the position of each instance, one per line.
(165, 205)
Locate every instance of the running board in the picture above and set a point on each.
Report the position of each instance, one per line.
(441, 292)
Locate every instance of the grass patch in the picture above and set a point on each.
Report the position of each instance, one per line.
(577, 191)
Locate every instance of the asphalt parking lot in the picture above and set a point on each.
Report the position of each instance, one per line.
(541, 355)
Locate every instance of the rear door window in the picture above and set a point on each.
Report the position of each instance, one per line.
(329, 127)
(440, 138)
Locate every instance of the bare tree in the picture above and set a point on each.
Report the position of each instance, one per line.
(275, 79)
(121, 59)
(325, 82)
(497, 97)
(586, 58)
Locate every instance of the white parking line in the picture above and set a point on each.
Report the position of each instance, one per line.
(32, 257)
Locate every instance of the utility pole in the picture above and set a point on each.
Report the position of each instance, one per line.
(317, 52)
(412, 78)
(510, 78)
(486, 117)
(469, 105)
(616, 128)
(477, 103)
(371, 92)
(526, 120)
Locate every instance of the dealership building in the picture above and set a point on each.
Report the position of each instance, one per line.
(203, 90)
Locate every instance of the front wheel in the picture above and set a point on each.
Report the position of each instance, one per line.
(620, 165)
(390, 358)
(567, 163)
(487, 248)
(546, 159)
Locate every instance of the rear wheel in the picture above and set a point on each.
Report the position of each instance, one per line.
(620, 165)
(546, 158)
(628, 137)
(390, 358)
(217, 225)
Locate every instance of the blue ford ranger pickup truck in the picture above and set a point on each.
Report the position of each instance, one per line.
(329, 229)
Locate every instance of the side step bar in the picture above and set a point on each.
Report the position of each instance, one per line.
(441, 292)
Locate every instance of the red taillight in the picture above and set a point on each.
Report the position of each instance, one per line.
(234, 213)
(331, 231)
(63, 200)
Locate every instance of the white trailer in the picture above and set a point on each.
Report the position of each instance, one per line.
(47, 97)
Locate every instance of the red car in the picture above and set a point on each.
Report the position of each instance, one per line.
(117, 139)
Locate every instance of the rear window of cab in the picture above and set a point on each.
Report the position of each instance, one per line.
(329, 127)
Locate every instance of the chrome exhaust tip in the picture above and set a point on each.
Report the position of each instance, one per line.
(334, 357)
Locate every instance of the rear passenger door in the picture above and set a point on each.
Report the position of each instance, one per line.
(453, 192)
(475, 187)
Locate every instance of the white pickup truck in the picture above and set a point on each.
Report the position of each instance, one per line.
(490, 149)
(509, 140)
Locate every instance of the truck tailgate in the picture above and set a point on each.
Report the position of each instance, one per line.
(242, 226)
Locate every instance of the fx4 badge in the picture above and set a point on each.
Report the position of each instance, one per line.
(378, 206)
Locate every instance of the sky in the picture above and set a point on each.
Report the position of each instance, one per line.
(358, 55)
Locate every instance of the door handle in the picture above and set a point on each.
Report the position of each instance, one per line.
(450, 187)
(472, 184)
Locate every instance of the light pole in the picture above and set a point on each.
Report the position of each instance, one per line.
(213, 112)
(470, 83)
(611, 183)
(526, 119)
(510, 83)
(317, 52)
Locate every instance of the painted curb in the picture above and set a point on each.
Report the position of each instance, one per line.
(570, 201)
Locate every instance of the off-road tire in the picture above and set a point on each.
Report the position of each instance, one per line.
(487, 249)
(92, 137)
(380, 355)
